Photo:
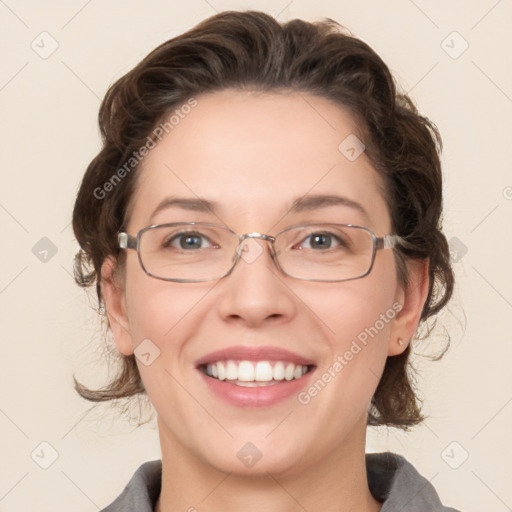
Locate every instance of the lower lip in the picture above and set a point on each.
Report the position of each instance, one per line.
(261, 396)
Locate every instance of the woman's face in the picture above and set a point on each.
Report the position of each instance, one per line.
(254, 155)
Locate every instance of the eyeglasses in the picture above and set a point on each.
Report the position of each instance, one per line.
(190, 252)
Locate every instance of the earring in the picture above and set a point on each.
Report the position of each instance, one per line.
(401, 342)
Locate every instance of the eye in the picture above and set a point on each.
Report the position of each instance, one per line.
(323, 240)
(186, 240)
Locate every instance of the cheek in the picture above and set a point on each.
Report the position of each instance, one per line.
(358, 345)
(360, 309)
(358, 316)
(162, 316)
(155, 307)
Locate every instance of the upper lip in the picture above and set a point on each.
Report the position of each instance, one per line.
(246, 353)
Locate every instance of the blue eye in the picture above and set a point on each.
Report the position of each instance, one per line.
(323, 240)
(186, 241)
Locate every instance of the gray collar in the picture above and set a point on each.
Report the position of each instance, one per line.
(394, 481)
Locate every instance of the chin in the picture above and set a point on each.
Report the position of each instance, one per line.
(254, 456)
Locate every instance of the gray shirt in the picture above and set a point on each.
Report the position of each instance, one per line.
(391, 479)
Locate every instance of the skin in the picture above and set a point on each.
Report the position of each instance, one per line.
(254, 154)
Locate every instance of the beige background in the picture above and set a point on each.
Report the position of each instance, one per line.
(49, 134)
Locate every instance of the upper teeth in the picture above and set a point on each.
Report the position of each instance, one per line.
(259, 371)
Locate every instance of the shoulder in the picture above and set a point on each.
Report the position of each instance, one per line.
(142, 491)
(394, 481)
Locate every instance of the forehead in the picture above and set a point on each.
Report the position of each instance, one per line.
(255, 155)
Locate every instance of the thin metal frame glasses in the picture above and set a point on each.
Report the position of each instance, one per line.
(351, 239)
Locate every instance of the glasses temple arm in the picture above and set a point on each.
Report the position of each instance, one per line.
(390, 241)
(126, 241)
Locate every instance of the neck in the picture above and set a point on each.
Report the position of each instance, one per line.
(336, 483)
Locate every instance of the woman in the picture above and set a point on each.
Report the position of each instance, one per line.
(263, 228)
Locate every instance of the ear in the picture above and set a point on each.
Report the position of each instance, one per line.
(412, 299)
(115, 303)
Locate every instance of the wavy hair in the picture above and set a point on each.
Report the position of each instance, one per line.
(252, 51)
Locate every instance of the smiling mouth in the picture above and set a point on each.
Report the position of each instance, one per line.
(255, 373)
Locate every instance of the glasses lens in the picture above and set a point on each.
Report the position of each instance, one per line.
(325, 252)
(189, 252)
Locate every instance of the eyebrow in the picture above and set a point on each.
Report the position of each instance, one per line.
(302, 204)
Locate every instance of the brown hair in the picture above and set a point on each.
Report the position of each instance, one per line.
(252, 51)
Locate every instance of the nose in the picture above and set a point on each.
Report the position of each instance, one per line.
(256, 291)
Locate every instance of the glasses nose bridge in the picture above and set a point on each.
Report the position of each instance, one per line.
(253, 235)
